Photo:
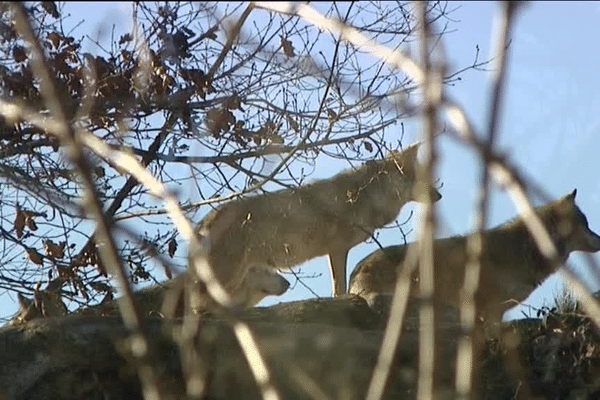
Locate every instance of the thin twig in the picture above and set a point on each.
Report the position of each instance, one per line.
(431, 89)
(395, 57)
(465, 364)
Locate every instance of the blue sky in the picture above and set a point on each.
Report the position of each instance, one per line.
(550, 119)
(549, 122)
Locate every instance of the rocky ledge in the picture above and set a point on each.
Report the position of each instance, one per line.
(316, 349)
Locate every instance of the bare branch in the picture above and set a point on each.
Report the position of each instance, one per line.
(475, 243)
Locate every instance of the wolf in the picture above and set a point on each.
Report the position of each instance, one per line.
(511, 268)
(512, 265)
(282, 229)
(259, 283)
(46, 303)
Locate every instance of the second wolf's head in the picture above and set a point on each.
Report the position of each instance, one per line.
(568, 226)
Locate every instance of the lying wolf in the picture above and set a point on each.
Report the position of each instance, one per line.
(46, 303)
(259, 283)
(512, 266)
(328, 217)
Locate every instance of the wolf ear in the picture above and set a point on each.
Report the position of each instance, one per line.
(24, 302)
(571, 196)
(408, 154)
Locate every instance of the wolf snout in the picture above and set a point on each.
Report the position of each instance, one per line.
(435, 195)
(284, 285)
(593, 240)
(421, 186)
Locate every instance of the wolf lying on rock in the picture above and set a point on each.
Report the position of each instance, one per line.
(259, 283)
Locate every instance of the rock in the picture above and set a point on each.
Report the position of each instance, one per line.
(316, 349)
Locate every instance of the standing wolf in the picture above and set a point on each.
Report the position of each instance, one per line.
(328, 217)
(512, 266)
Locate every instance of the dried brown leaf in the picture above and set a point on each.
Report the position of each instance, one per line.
(218, 120)
(19, 54)
(54, 38)
(31, 224)
(50, 8)
(125, 38)
(288, 48)
(331, 115)
(293, 124)
(34, 256)
(172, 247)
(107, 298)
(99, 171)
(127, 55)
(19, 223)
(234, 103)
(53, 250)
(101, 287)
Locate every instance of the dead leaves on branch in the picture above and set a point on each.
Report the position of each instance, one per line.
(88, 256)
(288, 48)
(135, 84)
(175, 46)
(126, 38)
(113, 83)
(198, 80)
(221, 121)
(19, 54)
(50, 8)
(54, 251)
(24, 218)
(172, 247)
(18, 83)
(34, 256)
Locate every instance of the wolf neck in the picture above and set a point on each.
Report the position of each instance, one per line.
(374, 193)
(516, 236)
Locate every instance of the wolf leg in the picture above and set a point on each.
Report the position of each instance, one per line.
(337, 267)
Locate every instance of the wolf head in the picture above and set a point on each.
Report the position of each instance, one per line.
(407, 163)
(27, 311)
(260, 283)
(569, 226)
(45, 304)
